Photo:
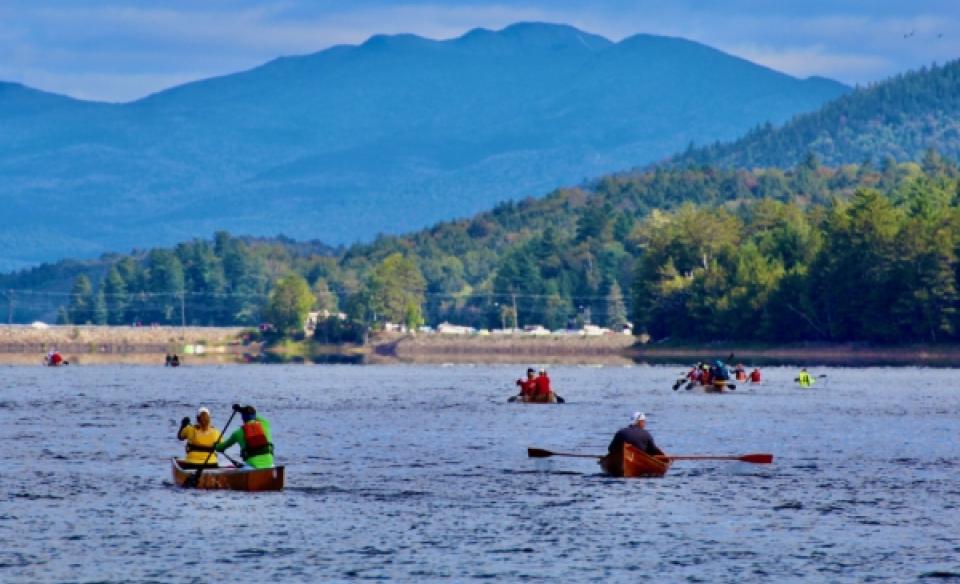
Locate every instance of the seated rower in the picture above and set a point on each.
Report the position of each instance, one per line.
(636, 435)
(201, 439)
(528, 387)
(254, 438)
(755, 376)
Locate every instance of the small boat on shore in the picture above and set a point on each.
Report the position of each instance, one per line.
(634, 463)
(232, 478)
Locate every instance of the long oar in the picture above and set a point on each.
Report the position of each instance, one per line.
(541, 453)
(752, 458)
(194, 479)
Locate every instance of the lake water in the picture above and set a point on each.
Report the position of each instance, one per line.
(420, 473)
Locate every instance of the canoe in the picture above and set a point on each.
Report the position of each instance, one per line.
(235, 479)
(634, 463)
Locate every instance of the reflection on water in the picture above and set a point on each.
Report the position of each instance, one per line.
(420, 473)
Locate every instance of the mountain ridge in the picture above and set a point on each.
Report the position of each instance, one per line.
(359, 139)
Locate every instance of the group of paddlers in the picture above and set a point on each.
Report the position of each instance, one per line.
(536, 388)
(716, 376)
(204, 440)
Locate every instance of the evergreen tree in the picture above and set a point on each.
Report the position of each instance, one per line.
(80, 310)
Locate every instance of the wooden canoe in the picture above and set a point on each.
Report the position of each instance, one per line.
(634, 463)
(235, 479)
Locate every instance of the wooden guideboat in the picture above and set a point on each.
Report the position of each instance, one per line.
(634, 463)
(235, 479)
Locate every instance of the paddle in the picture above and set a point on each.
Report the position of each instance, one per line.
(752, 458)
(231, 459)
(194, 479)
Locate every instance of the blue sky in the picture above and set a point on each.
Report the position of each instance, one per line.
(119, 50)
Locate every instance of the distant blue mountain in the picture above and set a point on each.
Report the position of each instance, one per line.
(387, 136)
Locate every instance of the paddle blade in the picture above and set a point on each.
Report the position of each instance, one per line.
(538, 453)
(757, 458)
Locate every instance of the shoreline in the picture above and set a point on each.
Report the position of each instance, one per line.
(103, 345)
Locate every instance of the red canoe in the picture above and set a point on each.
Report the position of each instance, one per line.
(634, 463)
(236, 479)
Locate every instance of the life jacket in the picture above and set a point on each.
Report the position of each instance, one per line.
(255, 440)
(805, 380)
(755, 376)
(200, 445)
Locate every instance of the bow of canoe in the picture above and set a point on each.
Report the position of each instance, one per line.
(235, 479)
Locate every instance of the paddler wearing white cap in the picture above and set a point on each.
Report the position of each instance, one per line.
(201, 438)
(636, 435)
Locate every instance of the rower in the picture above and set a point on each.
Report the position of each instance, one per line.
(755, 375)
(805, 379)
(254, 438)
(201, 439)
(636, 435)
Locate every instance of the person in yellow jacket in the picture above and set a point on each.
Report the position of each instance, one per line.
(201, 438)
(805, 379)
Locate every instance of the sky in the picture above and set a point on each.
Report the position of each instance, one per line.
(121, 50)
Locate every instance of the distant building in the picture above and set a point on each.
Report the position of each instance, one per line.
(445, 328)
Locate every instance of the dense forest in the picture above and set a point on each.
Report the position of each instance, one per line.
(899, 118)
(856, 252)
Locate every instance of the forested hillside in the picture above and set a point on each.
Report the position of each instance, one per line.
(810, 253)
(899, 118)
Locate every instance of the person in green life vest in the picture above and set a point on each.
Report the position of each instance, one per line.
(805, 379)
(254, 438)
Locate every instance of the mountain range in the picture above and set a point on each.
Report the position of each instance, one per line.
(388, 136)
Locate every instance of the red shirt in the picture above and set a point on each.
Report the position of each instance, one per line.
(528, 387)
(543, 385)
(755, 376)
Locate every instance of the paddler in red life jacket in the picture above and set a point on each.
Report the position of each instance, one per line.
(739, 373)
(200, 441)
(543, 392)
(528, 387)
(755, 376)
(254, 438)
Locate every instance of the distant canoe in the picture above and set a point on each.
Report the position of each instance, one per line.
(235, 479)
(634, 463)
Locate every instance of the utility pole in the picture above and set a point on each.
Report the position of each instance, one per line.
(516, 316)
(183, 309)
(9, 306)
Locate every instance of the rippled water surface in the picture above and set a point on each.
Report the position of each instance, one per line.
(420, 473)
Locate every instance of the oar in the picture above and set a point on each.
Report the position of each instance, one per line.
(194, 479)
(541, 453)
(678, 383)
(752, 458)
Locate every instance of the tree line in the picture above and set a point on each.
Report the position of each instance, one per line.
(856, 252)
